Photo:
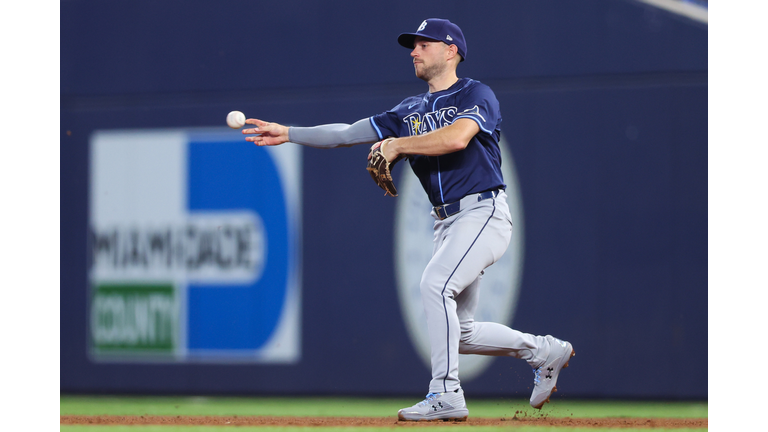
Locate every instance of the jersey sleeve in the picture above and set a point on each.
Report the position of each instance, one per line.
(385, 124)
(479, 103)
(390, 123)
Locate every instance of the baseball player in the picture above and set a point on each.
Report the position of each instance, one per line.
(450, 135)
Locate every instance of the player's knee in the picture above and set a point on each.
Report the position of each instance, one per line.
(467, 332)
(429, 291)
(430, 285)
(436, 290)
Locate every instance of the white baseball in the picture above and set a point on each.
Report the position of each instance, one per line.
(236, 119)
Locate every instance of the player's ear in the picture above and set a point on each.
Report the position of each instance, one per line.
(453, 51)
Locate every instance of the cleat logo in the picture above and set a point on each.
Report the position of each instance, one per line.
(435, 408)
(549, 373)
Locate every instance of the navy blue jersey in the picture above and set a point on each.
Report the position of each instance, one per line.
(450, 177)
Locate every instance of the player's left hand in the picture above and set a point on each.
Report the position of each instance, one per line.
(380, 167)
(266, 134)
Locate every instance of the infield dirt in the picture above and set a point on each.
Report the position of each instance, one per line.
(607, 422)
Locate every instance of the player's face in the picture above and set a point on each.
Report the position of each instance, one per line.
(428, 58)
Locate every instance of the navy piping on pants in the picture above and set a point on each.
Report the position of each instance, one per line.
(447, 327)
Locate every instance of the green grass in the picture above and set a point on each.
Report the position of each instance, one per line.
(284, 406)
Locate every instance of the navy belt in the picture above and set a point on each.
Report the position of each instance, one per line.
(447, 210)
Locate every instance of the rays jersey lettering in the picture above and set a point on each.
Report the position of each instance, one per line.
(450, 177)
(436, 119)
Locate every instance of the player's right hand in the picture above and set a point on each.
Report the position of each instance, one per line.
(265, 133)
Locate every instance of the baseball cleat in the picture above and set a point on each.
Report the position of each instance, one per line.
(545, 376)
(449, 406)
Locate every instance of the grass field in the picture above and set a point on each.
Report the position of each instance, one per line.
(357, 407)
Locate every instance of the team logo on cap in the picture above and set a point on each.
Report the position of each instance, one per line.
(422, 26)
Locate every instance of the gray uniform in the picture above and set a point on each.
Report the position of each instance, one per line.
(472, 224)
(464, 245)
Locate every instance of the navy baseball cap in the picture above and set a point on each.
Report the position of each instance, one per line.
(437, 29)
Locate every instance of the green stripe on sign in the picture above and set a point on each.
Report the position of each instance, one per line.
(133, 319)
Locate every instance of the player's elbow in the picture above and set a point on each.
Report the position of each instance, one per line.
(458, 144)
(461, 133)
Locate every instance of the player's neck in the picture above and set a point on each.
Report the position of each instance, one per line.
(442, 82)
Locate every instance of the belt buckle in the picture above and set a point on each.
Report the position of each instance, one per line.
(440, 212)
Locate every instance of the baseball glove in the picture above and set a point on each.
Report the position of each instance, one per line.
(381, 169)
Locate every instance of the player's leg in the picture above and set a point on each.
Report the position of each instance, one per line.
(546, 355)
(465, 245)
(489, 338)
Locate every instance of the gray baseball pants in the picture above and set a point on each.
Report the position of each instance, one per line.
(465, 244)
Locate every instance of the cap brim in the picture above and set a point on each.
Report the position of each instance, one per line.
(406, 39)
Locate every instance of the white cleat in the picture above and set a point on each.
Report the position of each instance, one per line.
(545, 376)
(449, 406)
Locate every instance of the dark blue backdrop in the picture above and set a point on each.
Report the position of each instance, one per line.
(605, 110)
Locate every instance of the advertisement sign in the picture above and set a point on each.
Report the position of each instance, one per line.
(194, 248)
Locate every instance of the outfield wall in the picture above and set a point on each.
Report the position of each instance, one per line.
(194, 263)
